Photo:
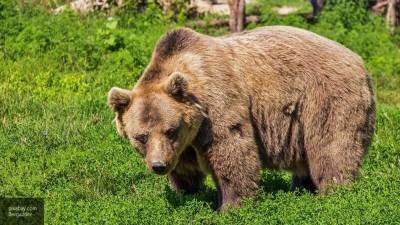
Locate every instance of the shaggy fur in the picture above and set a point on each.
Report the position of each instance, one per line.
(275, 97)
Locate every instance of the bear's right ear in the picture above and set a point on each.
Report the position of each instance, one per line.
(118, 99)
(177, 85)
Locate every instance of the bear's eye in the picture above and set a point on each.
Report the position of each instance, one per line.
(172, 133)
(142, 138)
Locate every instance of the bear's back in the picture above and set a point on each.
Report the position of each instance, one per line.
(298, 49)
(282, 57)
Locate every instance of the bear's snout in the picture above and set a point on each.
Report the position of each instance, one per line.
(161, 156)
(159, 167)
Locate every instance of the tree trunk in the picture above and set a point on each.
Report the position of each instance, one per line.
(379, 7)
(237, 17)
(392, 14)
(392, 10)
(317, 8)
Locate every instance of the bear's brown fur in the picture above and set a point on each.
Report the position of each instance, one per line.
(275, 97)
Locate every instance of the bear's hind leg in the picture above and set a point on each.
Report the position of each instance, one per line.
(327, 171)
(325, 174)
(335, 161)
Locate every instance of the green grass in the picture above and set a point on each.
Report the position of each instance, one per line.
(57, 140)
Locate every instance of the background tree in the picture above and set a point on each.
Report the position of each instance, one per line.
(317, 8)
(237, 17)
(389, 8)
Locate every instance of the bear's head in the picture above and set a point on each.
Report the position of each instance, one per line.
(160, 120)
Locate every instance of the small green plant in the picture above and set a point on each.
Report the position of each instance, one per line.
(110, 37)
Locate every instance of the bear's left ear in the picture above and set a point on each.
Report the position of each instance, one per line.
(119, 99)
(177, 85)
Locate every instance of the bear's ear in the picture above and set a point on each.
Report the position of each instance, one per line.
(177, 85)
(118, 99)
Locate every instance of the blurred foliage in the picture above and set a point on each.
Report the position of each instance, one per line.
(349, 23)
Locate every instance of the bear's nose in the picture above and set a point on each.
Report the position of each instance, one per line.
(158, 167)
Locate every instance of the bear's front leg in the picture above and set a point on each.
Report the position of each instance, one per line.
(236, 165)
(187, 176)
(190, 183)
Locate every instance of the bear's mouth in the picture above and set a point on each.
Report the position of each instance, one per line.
(162, 168)
(160, 172)
(169, 167)
(159, 167)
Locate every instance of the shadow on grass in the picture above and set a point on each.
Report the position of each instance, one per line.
(270, 183)
(207, 197)
(274, 182)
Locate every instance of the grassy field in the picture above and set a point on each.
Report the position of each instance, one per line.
(57, 140)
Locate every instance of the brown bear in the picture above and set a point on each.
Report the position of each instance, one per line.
(275, 97)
